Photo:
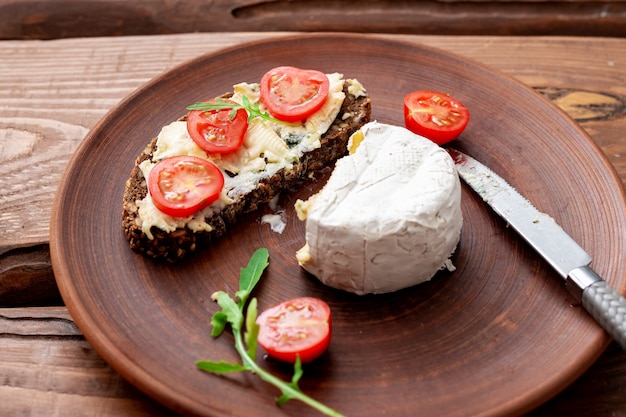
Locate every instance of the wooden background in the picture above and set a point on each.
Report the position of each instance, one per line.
(27, 19)
(52, 93)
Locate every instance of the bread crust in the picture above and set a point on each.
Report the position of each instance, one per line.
(174, 246)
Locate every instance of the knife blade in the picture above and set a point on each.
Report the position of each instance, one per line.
(544, 235)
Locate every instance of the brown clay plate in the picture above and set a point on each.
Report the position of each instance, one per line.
(499, 336)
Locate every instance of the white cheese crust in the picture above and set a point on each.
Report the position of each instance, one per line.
(389, 216)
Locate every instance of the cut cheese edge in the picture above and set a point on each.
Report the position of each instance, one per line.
(389, 216)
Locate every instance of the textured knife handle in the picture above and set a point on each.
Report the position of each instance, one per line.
(608, 308)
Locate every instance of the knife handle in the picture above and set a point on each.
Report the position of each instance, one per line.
(606, 306)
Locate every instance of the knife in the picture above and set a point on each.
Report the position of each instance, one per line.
(542, 233)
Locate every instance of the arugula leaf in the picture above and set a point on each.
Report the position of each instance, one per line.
(252, 329)
(219, 103)
(251, 274)
(220, 367)
(219, 322)
(231, 310)
(297, 374)
(246, 340)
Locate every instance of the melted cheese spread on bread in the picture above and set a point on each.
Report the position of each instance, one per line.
(389, 216)
(267, 148)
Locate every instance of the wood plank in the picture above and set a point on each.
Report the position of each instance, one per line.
(26, 277)
(25, 19)
(49, 369)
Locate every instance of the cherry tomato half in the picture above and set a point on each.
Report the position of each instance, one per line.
(300, 326)
(436, 116)
(293, 94)
(182, 185)
(217, 131)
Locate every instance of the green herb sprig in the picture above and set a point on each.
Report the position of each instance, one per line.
(233, 313)
(253, 109)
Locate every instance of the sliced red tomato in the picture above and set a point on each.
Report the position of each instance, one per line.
(293, 94)
(182, 185)
(217, 131)
(434, 115)
(300, 326)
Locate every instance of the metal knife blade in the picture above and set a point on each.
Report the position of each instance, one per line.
(542, 233)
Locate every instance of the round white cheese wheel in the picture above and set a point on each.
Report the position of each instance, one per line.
(389, 216)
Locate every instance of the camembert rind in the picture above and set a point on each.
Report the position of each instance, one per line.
(389, 216)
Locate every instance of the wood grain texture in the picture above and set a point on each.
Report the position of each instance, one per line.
(26, 19)
(49, 369)
(26, 277)
(75, 81)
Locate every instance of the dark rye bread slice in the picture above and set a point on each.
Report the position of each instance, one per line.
(173, 246)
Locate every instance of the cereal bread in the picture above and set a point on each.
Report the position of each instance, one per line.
(172, 246)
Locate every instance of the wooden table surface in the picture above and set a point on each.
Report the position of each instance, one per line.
(53, 92)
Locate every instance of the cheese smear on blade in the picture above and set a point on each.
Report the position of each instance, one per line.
(389, 216)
